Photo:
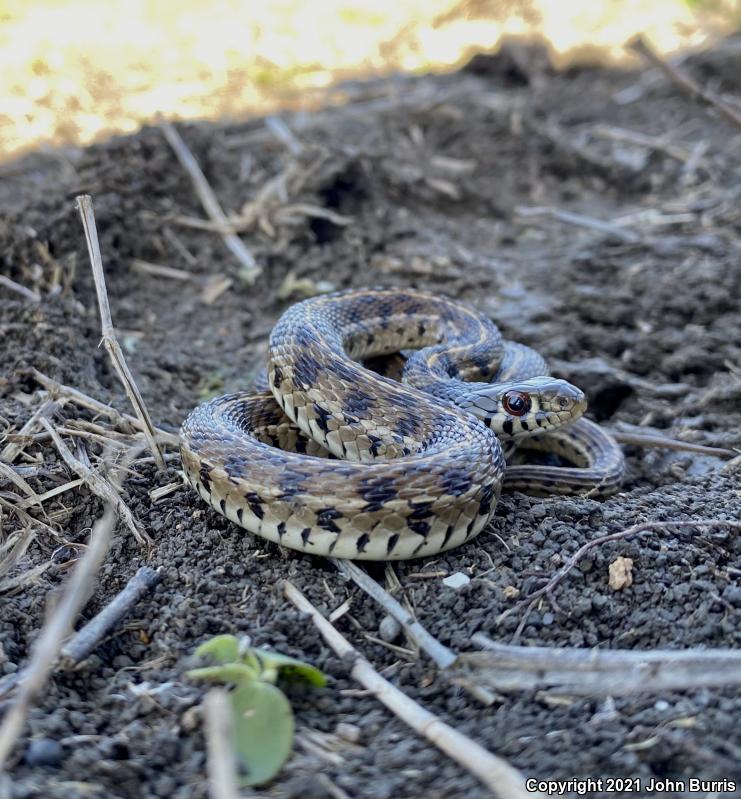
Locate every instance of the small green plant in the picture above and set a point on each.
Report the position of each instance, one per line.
(263, 718)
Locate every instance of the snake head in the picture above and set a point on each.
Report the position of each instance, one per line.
(527, 406)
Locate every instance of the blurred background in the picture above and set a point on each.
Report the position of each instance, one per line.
(76, 71)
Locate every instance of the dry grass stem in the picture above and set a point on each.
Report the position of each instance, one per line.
(156, 494)
(97, 484)
(48, 644)
(19, 289)
(83, 400)
(443, 657)
(642, 140)
(650, 440)
(16, 546)
(18, 481)
(85, 205)
(160, 270)
(39, 499)
(88, 637)
(593, 672)
(251, 271)
(494, 772)
(640, 46)
(579, 220)
(12, 450)
(284, 134)
(222, 761)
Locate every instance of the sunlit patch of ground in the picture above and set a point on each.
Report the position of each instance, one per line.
(73, 71)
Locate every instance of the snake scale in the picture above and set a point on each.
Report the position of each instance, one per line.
(335, 459)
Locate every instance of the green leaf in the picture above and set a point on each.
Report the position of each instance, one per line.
(291, 668)
(221, 648)
(263, 730)
(237, 673)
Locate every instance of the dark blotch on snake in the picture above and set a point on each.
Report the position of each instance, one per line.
(422, 510)
(456, 482)
(306, 535)
(281, 529)
(240, 515)
(255, 503)
(222, 507)
(447, 535)
(377, 491)
(234, 467)
(362, 542)
(357, 402)
(322, 418)
(420, 528)
(391, 543)
(508, 426)
(407, 426)
(325, 519)
(487, 494)
(205, 477)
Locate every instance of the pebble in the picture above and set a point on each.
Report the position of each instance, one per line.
(389, 629)
(348, 732)
(457, 580)
(44, 752)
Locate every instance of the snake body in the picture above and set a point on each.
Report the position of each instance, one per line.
(337, 460)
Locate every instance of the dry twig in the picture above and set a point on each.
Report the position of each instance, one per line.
(56, 388)
(209, 202)
(160, 270)
(89, 636)
(12, 450)
(636, 529)
(657, 441)
(442, 656)
(19, 289)
(498, 776)
(595, 672)
(580, 221)
(85, 206)
(692, 88)
(642, 140)
(97, 484)
(48, 644)
(222, 761)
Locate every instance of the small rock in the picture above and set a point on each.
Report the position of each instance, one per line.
(389, 629)
(457, 580)
(44, 752)
(348, 732)
(621, 573)
(511, 592)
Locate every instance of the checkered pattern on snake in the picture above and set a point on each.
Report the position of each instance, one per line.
(337, 460)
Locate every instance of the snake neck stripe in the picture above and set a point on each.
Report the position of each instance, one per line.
(337, 460)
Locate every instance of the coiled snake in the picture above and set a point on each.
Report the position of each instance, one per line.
(338, 460)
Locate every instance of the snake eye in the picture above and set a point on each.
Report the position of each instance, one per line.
(516, 403)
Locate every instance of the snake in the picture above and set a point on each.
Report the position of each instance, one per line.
(334, 459)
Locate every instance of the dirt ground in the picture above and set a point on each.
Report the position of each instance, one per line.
(427, 182)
